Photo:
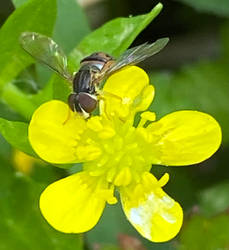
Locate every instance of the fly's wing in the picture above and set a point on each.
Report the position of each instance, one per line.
(46, 51)
(138, 54)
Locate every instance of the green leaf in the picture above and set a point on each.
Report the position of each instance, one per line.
(18, 100)
(67, 32)
(205, 234)
(61, 89)
(7, 113)
(214, 200)
(16, 133)
(113, 37)
(36, 15)
(18, 3)
(202, 86)
(71, 25)
(22, 226)
(216, 7)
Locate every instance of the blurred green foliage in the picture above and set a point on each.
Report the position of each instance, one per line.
(71, 25)
(220, 8)
(22, 226)
(24, 85)
(13, 59)
(29, 17)
(214, 200)
(11, 128)
(18, 3)
(206, 234)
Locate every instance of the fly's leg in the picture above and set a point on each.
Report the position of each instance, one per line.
(68, 116)
(100, 97)
(104, 94)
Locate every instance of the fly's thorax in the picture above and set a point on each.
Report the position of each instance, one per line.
(90, 71)
(98, 59)
(82, 81)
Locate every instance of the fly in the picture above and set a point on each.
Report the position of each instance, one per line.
(93, 68)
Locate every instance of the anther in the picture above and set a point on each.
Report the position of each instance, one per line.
(146, 116)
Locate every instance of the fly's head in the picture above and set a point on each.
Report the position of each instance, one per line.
(84, 103)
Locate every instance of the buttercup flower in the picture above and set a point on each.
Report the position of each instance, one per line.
(119, 156)
(22, 162)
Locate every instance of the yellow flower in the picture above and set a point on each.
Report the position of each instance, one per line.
(23, 162)
(117, 155)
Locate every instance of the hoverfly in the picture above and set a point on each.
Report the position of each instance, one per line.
(93, 68)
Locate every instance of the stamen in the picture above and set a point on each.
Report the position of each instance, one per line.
(149, 180)
(97, 172)
(118, 143)
(123, 178)
(111, 174)
(95, 124)
(146, 116)
(88, 152)
(164, 180)
(107, 133)
(103, 161)
(108, 195)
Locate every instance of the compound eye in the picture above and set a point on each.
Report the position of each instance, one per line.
(73, 103)
(87, 102)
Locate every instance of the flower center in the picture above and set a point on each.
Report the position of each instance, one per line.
(122, 158)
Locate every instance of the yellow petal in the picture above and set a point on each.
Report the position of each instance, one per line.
(185, 137)
(143, 101)
(127, 91)
(54, 132)
(73, 204)
(154, 214)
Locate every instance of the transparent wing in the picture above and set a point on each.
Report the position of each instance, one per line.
(46, 51)
(138, 54)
